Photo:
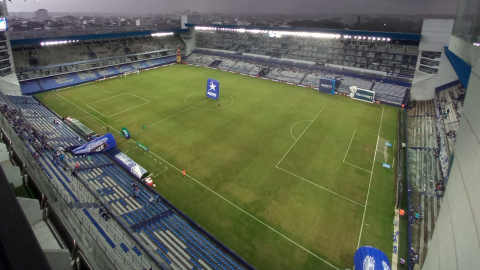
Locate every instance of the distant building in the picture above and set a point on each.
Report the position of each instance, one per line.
(41, 15)
(192, 18)
(143, 22)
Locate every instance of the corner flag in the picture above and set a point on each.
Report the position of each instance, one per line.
(213, 89)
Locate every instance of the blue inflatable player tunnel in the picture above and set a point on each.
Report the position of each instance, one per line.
(369, 258)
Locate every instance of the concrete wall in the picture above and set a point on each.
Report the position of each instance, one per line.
(435, 36)
(9, 85)
(190, 44)
(455, 243)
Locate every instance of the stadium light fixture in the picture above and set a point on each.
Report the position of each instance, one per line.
(273, 33)
(161, 34)
(58, 42)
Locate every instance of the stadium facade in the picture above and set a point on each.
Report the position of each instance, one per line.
(426, 73)
(455, 243)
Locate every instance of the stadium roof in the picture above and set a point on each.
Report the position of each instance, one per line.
(400, 36)
(94, 36)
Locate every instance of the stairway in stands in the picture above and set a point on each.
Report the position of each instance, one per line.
(424, 172)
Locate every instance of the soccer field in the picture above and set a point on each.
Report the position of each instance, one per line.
(287, 177)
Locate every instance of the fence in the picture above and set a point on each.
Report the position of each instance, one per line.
(408, 190)
(447, 85)
(399, 167)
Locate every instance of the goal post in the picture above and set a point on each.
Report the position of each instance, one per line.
(137, 71)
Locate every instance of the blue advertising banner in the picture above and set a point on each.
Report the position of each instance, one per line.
(100, 144)
(327, 86)
(213, 89)
(364, 95)
(369, 258)
(127, 163)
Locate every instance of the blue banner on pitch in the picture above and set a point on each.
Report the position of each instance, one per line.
(213, 89)
(364, 95)
(327, 86)
(100, 144)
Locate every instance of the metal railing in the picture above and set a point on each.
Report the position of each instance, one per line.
(408, 190)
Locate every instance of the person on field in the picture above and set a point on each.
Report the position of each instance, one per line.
(184, 173)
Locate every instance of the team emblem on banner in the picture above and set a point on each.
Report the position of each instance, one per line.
(213, 89)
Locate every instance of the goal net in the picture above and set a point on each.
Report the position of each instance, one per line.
(131, 72)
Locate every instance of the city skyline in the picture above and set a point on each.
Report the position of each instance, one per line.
(241, 7)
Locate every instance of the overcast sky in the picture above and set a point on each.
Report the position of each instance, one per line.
(240, 6)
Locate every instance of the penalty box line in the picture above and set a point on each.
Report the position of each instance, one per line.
(214, 192)
(346, 153)
(317, 185)
(146, 102)
(310, 182)
(370, 182)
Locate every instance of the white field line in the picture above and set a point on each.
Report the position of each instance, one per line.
(354, 115)
(139, 97)
(87, 112)
(345, 157)
(375, 135)
(129, 109)
(95, 110)
(205, 109)
(165, 118)
(263, 223)
(349, 145)
(320, 187)
(276, 166)
(107, 98)
(370, 182)
(147, 101)
(234, 205)
(291, 133)
(299, 137)
(101, 89)
(158, 122)
(357, 167)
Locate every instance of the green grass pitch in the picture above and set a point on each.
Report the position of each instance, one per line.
(279, 173)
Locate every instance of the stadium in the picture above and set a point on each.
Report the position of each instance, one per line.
(240, 147)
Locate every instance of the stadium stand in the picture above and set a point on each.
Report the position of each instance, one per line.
(149, 58)
(150, 220)
(432, 126)
(302, 74)
(373, 55)
(5, 65)
(49, 82)
(450, 102)
(86, 50)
